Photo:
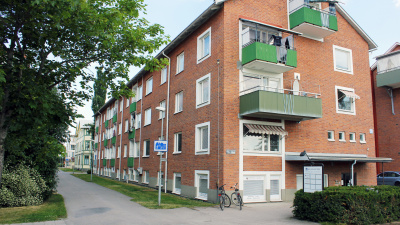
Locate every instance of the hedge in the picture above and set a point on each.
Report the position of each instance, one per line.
(350, 205)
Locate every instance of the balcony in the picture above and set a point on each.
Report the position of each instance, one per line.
(264, 49)
(112, 162)
(104, 162)
(106, 124)
(131, 134)
(105, 142)
(95, 146)
(114, 118)
(311, 20)
(130, 162)
(273, 102)
(388, 70)
(113, 140)
(132, 107)
(97, 130)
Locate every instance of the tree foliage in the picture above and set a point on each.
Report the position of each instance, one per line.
(46, 46)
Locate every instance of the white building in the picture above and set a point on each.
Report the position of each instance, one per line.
(84, 145)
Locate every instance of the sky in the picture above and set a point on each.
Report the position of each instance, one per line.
(378, 18)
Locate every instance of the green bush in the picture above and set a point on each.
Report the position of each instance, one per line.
(350, 205)
(21, 186)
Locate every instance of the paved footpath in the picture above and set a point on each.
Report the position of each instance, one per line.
(89, 203)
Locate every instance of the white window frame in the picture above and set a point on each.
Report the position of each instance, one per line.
(125, 151)
(200, 102)
(161, 114)
(149, 86)
(138, 121)
(177, 97)
(135, 176)
(177, 190)
(343, 139)
(332, 134)
(139, 93)
(147, 117)
(201, 46)
(144, 147)
(121, 105)
(126, 126)
(163, 75)
(363, 139)
(198, 141)
(119, 152)
(130, 174)
(136, 150)
(350, 62)
(354, 137)
(131, 148)
(197, 174)
(144, 178)
(353, 111)
(180, 66)
(176, 143)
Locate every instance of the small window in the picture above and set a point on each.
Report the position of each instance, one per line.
(342, 136)
(164, 73)
(136, 152)
(203, 138)
(180, 62)
(126, 125)
(204, 45)
(179, 102)
(146, 147)
(149, 85)
(352, 137)
(119, 152)
(162, 113)
(139, 92)
(125, 151)
(119, 128)
(177, 183)
(345, 100)
(202, 184)
(362, 138)
(178, 142)
(147, 117)
(146, 177)
(138, 121)
(263, 143)
(121, 105)
(203, 91)
(331, 135)
(132, 148)
(343, 60)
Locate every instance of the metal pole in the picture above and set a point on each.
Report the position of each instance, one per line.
(91, 163)
(159, 173)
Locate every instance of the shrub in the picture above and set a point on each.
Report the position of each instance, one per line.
(21, 186)
(351, 205)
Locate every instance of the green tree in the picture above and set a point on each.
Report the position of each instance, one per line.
(100, 92)
(47, 44)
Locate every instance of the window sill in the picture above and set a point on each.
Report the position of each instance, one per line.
(203, 58)
(179, 72)
(146, 156)
(352, 141)
(203, 104)
(345, 112)
(331, 140)
(202, 152)
(147, 125)
(177, 112)
(176, 153)
(344, 71)
(342, 140)
(163, 83)
(148, 94)
(363, 142)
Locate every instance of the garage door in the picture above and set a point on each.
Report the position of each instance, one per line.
(253, 189)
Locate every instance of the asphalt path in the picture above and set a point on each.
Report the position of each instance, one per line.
(89, 203)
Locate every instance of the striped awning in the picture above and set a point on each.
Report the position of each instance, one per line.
(350, 94)
(266, 129)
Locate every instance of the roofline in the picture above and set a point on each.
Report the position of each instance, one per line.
(371, 44)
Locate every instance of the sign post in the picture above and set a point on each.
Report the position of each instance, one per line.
(313, 177)
(161, 147)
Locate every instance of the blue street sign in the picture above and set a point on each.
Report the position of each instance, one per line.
(160, 146)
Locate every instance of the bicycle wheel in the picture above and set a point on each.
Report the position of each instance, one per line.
(240, 201)
(234, 198)
(221, 202)
(227, 200)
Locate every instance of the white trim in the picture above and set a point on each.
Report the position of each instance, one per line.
(199, 91)
(350, 71)
(199, 151)
(175, 143)
(182, 54)
(161, 75)
(196, 182)
(200, 46)
(176, 102)
(343, 135)
(353, 112)
(174, 189)
(363, 141)
(149, 86)
(144, 148)
(147, 116)
(333, 135)
(354, 135)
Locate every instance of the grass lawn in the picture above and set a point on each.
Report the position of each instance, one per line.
(52, 209)
(66, 169)
(146, 197)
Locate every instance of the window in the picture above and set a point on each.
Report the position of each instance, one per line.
(126, 125)
(331, 135)
(178, 142)
(135, 176)
(119, 128)
(343, 60)
(342, 136)
(149, 85)
(139, 92)
(147, 117)
(162, 113)
(362, 138)
(86, 161)
(179, 102)
(177, 183)
(203, 91)
(138, 121)
(164, 72)
(202, 138)
(146, 147)
(125, 150)
(121, 105)
(146, 177)
(124, 174)
(119, 152)
(131, 148)
(117, 173)
(352, 137)
(255, 142)
(204, 45)
(345, 100)
(136, 152)
(202, 183)
(180, 62)
(127, 102)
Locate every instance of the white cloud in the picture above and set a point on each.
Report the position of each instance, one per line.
(396, 3)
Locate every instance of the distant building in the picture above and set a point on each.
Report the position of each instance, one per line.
(70, 147)
(84, 145)
(386, 90)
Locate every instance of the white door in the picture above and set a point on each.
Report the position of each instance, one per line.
(275, 188)
(253, 189)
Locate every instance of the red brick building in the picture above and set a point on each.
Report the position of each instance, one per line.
(250, 85)
(385, 74)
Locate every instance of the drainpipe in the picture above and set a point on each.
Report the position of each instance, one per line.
(141, 122)
(375, 119)
(120, 141)
(352, 172)
(218, 128)
(99, 143)
(167, 117)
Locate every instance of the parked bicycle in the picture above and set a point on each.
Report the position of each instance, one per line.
(236, 197)
(224, 200)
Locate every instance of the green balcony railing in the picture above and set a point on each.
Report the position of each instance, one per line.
(113, 140)
(130, 162)
(95, 146)
(276, 105)
(105, 142)
(104, 162)
(106, 124)
(132, 107)
(131, 134)
(114, 120)
(312, 16)
(112, 162)
(97, 130)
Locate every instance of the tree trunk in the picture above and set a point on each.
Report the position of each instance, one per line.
(3, 134)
